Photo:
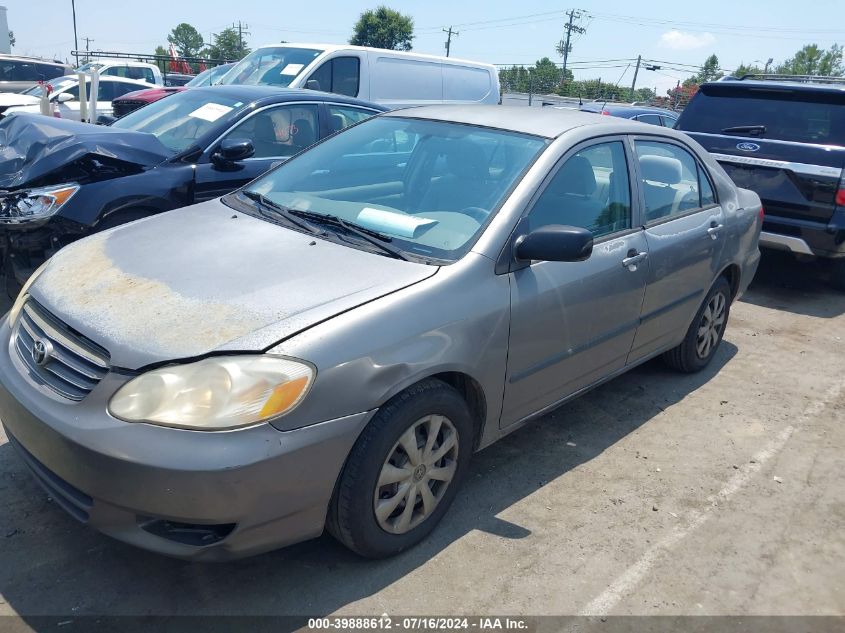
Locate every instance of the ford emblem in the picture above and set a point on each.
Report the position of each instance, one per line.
(748, 147)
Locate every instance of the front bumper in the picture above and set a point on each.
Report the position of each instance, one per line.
(254, 489)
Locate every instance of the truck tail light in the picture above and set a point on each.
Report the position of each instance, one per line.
(840, 197)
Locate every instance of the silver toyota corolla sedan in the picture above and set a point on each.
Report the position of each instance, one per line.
(326, 347)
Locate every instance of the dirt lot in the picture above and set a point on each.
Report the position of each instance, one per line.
(719, 493)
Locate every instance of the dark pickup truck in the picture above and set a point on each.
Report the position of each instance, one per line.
(783, 138)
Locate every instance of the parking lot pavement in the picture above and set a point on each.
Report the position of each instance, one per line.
(658, 493)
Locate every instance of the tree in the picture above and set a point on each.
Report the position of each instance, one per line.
(227, 45)
(745, 69)
(12, 40)
(162, 65)
(812, 60)
(383, 28)
(186, 40)
(709, 72)
(546, 76)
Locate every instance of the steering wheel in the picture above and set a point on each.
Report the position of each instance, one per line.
(476, 213)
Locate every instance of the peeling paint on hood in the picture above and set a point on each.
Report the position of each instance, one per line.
(198, 280)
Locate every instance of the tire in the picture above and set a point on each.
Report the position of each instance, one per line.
(378, 456)
(695, 352)
(837, 273)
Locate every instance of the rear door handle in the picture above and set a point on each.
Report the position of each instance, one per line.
(714, 230)
(633, 259)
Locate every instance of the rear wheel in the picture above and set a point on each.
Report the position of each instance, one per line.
(705, 333)
(403, 472)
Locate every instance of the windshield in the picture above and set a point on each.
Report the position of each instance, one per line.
(179, 120)
(55, 84)
(429, 186)
(207, 77)
(799, 116)
(276, 66)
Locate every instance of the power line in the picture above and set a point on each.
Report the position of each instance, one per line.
(564, 47)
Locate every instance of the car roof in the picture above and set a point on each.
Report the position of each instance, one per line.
(141, 83)
(275, 94)
(623, 108)
(38, 60)
(546, 122)
(714, 87)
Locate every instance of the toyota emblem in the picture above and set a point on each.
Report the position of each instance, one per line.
(42, 352)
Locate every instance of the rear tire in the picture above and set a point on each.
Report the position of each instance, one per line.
(705, 332)
(387, 498)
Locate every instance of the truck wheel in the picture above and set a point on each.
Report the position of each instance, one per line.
(837, 273)
(403, 472)
(705, 333)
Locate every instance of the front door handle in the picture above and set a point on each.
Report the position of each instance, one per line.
(634, 258)
(714, 230)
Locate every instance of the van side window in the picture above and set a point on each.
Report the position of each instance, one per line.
(670, 178)
(339, 75)
(590, 190)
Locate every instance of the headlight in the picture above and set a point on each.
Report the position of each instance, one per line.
(221, 392)
(34, 204)
(24, 293)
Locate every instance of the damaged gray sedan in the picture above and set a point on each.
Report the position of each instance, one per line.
(326, 347)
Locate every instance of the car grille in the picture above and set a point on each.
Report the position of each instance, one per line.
(125, 106)
(73, 501)
(71, 365)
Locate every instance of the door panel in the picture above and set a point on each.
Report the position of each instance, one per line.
(685, 235)
(571, 324)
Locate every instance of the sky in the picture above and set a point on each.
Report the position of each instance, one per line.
(678, 34)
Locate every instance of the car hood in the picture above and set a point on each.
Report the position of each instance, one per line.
(8, 99)
(207, 279)
(38, 150)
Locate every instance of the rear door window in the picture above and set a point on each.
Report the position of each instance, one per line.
(341, 117)
(804, 117)
(652, 119)
(672, 181)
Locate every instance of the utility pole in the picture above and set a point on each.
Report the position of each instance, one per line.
(768, 63)
(636, 71)
(88, 41)
(449, 38)
(564, 46)
(75, 41)
(242, 30)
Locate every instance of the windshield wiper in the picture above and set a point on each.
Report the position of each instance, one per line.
(368, 235)
(277, 210)
(758, 130)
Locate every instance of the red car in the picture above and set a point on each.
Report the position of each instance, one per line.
(134, 100)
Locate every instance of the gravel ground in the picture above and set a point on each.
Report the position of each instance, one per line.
(719, 493)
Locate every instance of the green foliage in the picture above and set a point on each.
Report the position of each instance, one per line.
(383, 28)
(12, 40)
(747, 69)
(227, 45)
(162, 65)
(545, 78)
(812, 60)
(186, 40)
(709, 72)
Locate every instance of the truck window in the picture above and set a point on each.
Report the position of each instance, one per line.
(461, 83)
(18, 71)
(395, 78)
(339, 75)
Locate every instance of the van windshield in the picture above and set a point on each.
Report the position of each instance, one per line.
(272, 66)
(428, 188)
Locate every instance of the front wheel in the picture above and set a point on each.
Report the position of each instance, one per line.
(705, 333)
(403, 472)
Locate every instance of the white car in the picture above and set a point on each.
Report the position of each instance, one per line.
(64, 96)
(126, 69)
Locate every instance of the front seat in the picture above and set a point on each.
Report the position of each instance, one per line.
(568, 198)
(465, 183)
(303, 134)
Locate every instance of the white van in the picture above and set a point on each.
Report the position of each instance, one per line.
(392, 78)
(126, 68)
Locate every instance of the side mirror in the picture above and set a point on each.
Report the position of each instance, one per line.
(64, 97)
(555, 243)
(105, 119)
(232, 150)
(312, 84)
